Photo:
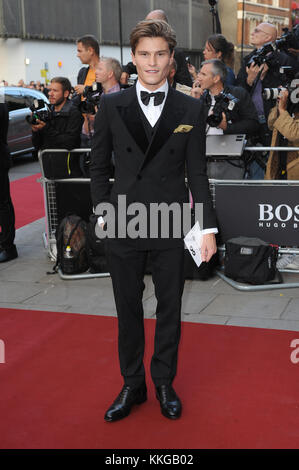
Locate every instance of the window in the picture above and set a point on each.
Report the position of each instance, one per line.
(15, 100)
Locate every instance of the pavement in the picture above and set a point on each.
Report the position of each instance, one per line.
(25, 284)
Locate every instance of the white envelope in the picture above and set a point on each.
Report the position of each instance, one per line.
(193, 241)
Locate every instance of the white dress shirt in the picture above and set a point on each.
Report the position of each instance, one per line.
(213, 130)
(151, 112)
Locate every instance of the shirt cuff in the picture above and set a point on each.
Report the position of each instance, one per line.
(101, 220)
(209, 230)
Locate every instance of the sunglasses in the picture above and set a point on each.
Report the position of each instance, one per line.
(258, 30)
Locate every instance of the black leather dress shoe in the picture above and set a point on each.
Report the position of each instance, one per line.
(128, 397)
(8, 254)
(170, 403)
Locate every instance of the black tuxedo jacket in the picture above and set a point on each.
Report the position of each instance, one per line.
(150, 172)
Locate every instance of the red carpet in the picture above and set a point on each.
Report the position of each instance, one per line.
(27, 197)
(238, 387)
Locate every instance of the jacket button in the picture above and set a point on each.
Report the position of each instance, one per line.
(163, 178)
(139, 177)
(171, 151)
(129, 149)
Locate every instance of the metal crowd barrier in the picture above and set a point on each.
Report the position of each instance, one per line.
(50, 200)
(51, 213)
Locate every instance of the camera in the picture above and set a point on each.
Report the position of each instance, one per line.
(287, 76)
(224, 103)
(92, 94)
(289, 40)
(38, 113)
(265, 55)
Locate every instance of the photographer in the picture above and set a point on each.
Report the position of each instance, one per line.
(242, 118)
(88, 51)
(228, 110)
(260, 70)
(62, 125)
(285, 126)
(58, 128)
(284, 121)
(217, 47)
(108, 73)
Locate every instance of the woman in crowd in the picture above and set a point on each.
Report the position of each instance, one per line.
(217, 47)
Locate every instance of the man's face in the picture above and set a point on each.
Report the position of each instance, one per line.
(84, 53)
(102, 72)
(152, 59)
(205, 77)
(56, 94)
(262, 34)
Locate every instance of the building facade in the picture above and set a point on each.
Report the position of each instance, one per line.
(40, 37)
(248, 14)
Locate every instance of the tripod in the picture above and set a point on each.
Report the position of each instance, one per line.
(215, 17)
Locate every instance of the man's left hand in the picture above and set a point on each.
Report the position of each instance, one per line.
(282, 100)
(208, 246)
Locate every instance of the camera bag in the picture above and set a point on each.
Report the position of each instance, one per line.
(251, 260)
(72, 245)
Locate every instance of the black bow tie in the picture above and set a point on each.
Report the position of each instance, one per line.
(158, 97)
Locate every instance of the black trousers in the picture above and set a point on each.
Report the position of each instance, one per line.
(7, 213)
(127, 268)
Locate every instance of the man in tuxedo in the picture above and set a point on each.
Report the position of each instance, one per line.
(155, 132)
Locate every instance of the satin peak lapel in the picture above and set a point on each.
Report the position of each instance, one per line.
(129, 112)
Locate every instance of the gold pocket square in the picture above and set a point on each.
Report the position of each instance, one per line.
(183, 128)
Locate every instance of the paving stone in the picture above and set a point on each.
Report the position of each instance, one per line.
(245, 305)
(89, 299)
(14, 292)
(268, 323)
(200, 318)
(292, 310)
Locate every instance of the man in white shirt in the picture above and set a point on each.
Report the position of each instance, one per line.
(155, 133)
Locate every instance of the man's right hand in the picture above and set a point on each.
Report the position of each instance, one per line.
(39, 126)
(196, 91)
(252, 73)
